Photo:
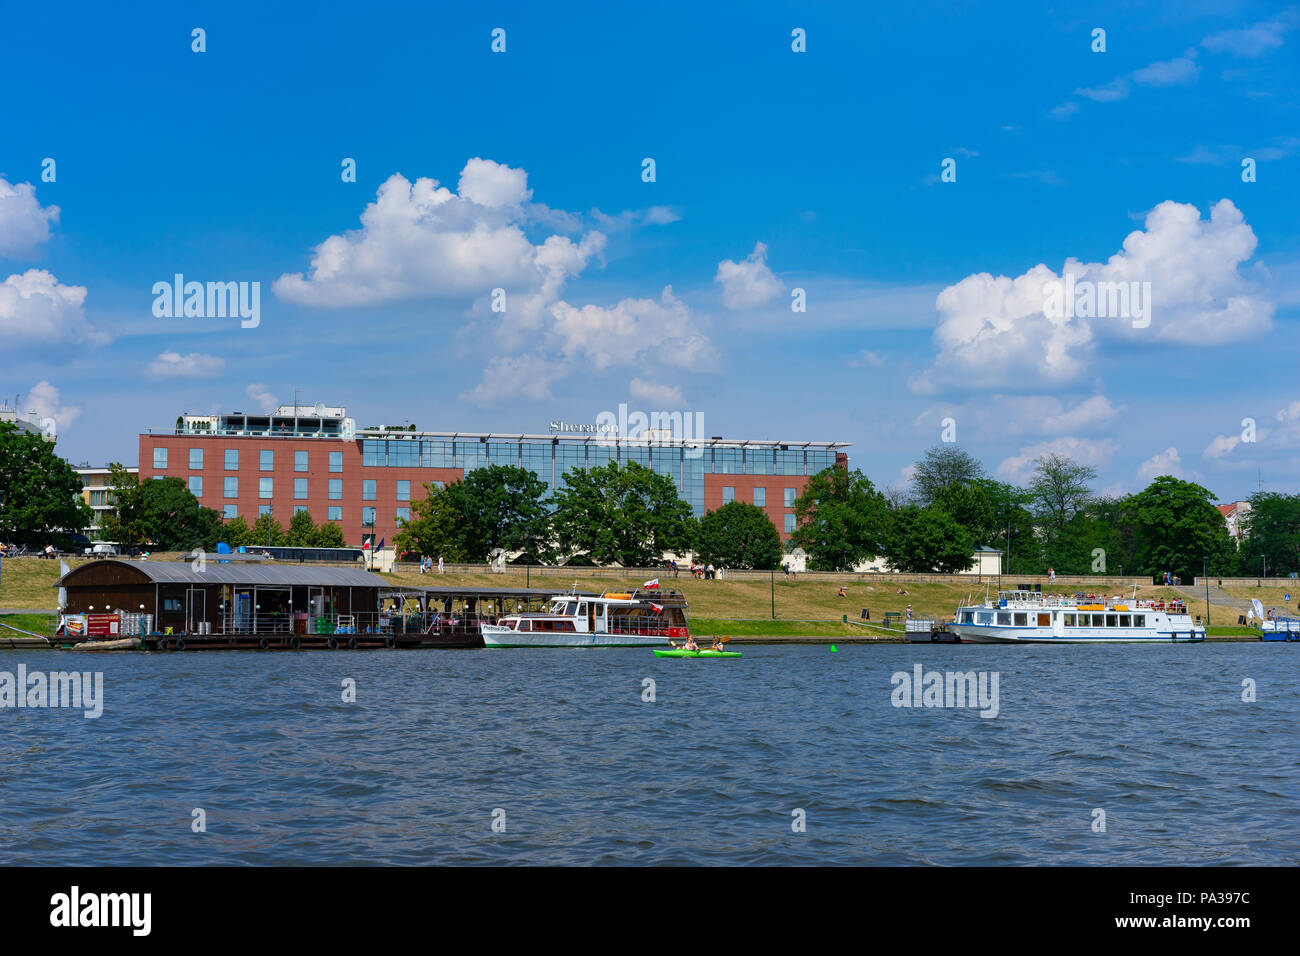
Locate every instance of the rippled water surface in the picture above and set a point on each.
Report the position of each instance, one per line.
(710, 772)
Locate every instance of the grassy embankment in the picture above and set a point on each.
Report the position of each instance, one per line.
(736, 607)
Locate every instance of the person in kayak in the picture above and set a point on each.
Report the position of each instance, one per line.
(718, 645)
(690, 645)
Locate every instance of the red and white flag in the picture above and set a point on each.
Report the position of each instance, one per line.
(658, 608)
(651, 585)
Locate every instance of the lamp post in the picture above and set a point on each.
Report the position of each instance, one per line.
(772, 574)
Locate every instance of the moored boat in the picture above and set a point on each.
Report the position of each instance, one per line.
(640, 618)
(1030, 617)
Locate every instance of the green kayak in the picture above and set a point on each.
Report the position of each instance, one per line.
(677, 652)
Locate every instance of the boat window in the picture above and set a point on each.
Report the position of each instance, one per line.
(564, 625)
(1022, 619)
(1111, 620)
(968, 617)
(986, 617)
(1069, 620)
(1125, 620)
(582, 608)
(525, 625)
(1004, 617)
(1139, 620)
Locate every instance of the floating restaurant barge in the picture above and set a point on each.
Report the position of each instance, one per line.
(224, 603)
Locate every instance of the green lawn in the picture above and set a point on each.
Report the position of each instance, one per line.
(42, 624)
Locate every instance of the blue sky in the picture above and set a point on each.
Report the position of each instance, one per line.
(775, 170)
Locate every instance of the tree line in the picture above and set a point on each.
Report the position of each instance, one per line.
(632, 515)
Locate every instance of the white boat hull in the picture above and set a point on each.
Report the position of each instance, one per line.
(494, 635)
(1002, 634)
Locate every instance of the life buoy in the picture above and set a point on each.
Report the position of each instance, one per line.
(180, 643)
(294, 642)
(333, 643)
(352, 643)
(263, 644)
(164, 644)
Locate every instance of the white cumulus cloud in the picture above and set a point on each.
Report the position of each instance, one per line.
(748, 283)
(1094, 452)
(24, 222)
(193, 365)
(265, 400)
(999, 331)
(35, 308)
(661, 395)
(44, 400)
(1167, 462)
(421, 240)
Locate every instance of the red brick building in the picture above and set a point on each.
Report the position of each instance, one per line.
(366, 481)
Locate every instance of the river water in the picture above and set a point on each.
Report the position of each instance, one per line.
(790, 755)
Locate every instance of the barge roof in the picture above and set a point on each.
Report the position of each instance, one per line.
(218, 572)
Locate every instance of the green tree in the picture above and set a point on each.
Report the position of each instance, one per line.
(302, 530)
(161, 513)
(738, 535)
(841, 519)
(435, 525)
(1272, 534)
(328, 535)
(970, 507)
(267, 532)
(236, 532)
(922, 540)
(1060, 491)
(629, 515)
(941, 467)
(1176, 525)
(40, 494)
(501, 506)
(1013, 527)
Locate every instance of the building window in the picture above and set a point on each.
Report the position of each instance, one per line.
(264, 487)
(231, 488)
(300, 461)
(297, 508)
(728, 494)
(232, 459)
(300, 488)
(230, 512)
(439, 485)
(403, 514)
(196, 486)
(790, 494)
(160, 457)
(368, 517)
(403, 491)
(336, 489)
(760, 497)
(336, 461)
(266, 460)
(789, 524)
(335, 513)
(368, 489)
(196, 459)
(263, 510)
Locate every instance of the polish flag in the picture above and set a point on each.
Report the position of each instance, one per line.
(651, 585)
(658, 609)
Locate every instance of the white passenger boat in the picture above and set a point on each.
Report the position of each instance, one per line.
(1029, 617)
(641, 618)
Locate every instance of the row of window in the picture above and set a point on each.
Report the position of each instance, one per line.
(368, 515)
(266, 488)
(1021, 619)
(760, 496)
(265, 460)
